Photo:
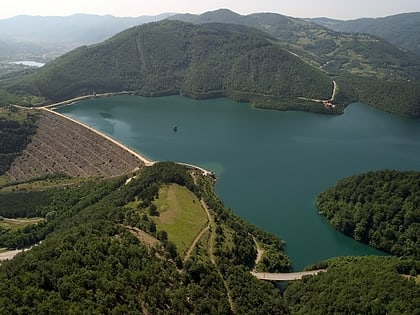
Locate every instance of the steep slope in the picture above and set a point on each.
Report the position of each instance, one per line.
(401, 29)
(334, 52)
(172, 57)
(367, 68)
(91, 262)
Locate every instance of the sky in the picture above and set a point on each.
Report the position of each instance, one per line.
(338, 9)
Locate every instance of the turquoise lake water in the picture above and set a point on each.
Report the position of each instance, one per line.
(270, 165)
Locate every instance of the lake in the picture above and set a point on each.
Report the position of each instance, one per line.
(270, 165)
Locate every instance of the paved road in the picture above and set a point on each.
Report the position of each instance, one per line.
(289, 276)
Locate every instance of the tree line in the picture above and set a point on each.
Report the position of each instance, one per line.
(380, 208)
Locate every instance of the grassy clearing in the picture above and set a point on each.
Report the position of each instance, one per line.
(180, 215)
(18, 223)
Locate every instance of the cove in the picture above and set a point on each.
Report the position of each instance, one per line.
(270, 165)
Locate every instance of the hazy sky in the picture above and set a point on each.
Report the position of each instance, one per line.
(339, 9)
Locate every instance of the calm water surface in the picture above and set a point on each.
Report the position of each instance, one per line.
(271, 165)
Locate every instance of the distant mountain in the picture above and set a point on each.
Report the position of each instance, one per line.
(79, 29)
(401, 29)
(172, 57)
(332, 51)
(42, 39)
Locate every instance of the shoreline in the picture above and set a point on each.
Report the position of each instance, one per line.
(50, 108)
(82, 98)
(146, 161)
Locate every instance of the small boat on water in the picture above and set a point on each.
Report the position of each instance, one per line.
(175, 128)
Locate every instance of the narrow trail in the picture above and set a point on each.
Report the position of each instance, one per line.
(334, 91)
(260, 253)
(7, 255)
(204, 230)
(199, 235)
(210, 246)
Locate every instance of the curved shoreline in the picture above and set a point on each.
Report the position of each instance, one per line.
(119, 144)
(143, 159)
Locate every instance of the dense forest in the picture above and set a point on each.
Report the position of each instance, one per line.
(172, 57)
(367, 68)
(270, 60)
(16, 128)
(358, 285)
(400, 29)
(98, 246)
(397, 97)
(90, 261)
(380, 208)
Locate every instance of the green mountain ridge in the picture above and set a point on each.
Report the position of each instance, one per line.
(333, 51)
(367, 68)
(270, 60)
(172, 57)
(400, 29)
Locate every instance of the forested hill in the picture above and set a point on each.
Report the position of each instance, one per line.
(380, 208)
(400, 29)
(268, 59)
(106, 250)
(334, 51)
(172, 57)
(367, 68)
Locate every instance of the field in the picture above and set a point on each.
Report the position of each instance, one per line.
(180, 215)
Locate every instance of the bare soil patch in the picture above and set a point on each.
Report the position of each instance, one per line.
(61, 145)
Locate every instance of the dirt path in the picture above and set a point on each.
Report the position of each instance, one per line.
(12, 253)
(9, 254)
(334, 92)
(198, 237)
(260, 253)
(22, 221)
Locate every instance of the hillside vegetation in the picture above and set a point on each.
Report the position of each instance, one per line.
(358, 285)
(368, 69)
(333, 51)
(92, 262)
(380, 208)
(173, 57)
(16, 129)
(400, 29)
(101, 252)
